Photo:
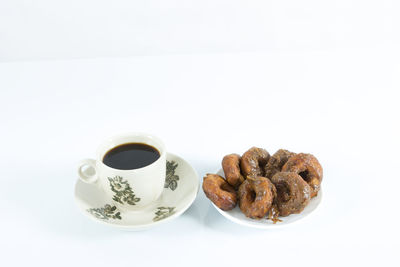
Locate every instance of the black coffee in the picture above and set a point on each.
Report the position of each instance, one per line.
(131, 156)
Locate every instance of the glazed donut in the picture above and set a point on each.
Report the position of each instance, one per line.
(293, 193)
(219, 191)
(253, 162)
(276, 162)
(308, 167)
(256, 196)
(230, 165)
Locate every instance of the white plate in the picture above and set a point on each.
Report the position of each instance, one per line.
(172, 203)
(237, 216)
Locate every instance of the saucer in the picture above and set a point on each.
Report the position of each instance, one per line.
(180, 190)
(237, 216)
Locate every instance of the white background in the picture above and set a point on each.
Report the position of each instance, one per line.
(210, 78)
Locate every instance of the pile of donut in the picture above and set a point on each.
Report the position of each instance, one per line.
(277, 185)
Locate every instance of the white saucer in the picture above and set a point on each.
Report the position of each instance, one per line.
(237, 216)
(180, 192)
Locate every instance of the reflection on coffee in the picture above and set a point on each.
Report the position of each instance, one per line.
(131, 156)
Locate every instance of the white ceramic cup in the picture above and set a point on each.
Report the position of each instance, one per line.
(129, 189)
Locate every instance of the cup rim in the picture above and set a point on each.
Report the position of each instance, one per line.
(101, 153)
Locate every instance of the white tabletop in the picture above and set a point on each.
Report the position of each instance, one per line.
(209, 78)
(343, 108)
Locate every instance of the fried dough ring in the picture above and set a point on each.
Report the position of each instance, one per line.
(293, 193)
(253, 162)
(308, 167)
(231, 167)
(219, 191)
(256, 197)
(276, 162)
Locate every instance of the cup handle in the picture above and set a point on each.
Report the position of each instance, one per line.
(90, 174)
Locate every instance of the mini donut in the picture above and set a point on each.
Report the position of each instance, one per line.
(253, 162)
(230, 165)
(308, 167)
(276, 162)
(219, 191)
(293, 193)
(256, 196)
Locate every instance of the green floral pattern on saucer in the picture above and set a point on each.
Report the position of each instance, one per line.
(163, 212)
(171, 179)
(123, 191)
(93, 201)
(105, 213)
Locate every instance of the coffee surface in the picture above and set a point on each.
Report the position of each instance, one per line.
(131, 156)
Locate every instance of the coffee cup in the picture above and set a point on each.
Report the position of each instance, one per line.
(132, 181)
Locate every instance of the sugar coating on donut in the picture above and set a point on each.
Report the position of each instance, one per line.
(308, 167)
(276, 162)
(293, 193)
(256, 196)
(253, 162)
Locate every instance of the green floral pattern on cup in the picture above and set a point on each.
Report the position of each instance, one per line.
(163, 212)
(171, 179)
(105, 213)
(123, 191)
